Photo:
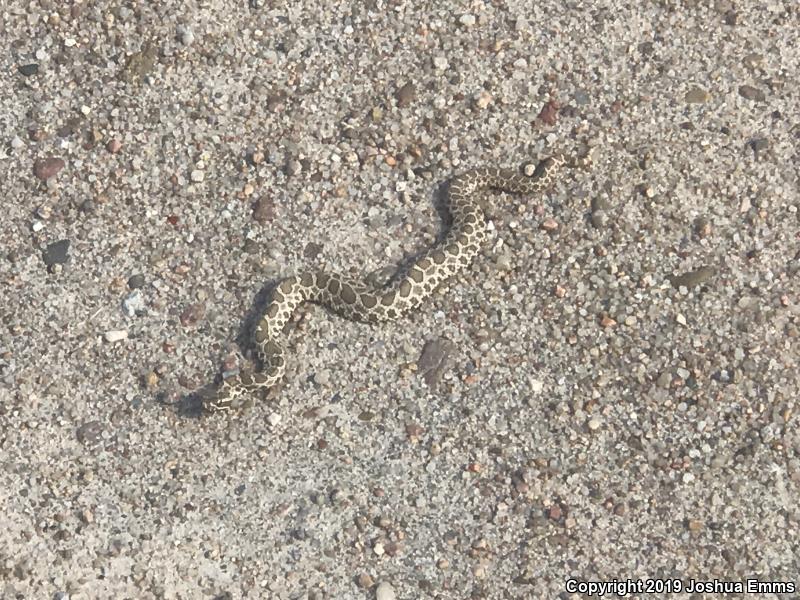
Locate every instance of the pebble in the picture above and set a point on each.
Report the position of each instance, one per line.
(594, 423)
(29, 69)
(365, 581)
(752, 93)
(114, 146)
(116, 335)
(37, 226)
(197, 176)
(406, 94)
(697, 95)
(435, 360)
(136, 281)
(467, 20)
(56, 253)
(89, 433)
(47, 168)
(440, 63)
(133, 304)
(483, 99)
(263, 210)
(186, 35)
(16, 142)
(692, 278)
(385, 591)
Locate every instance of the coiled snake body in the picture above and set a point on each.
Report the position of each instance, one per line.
(361, 302)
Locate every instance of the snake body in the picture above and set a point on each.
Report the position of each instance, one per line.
(358, 301)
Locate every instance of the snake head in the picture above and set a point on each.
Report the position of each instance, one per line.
(222, 398)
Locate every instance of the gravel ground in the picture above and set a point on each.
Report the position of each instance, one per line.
(609, 392)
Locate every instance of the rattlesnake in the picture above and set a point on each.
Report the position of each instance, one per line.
(358, 301)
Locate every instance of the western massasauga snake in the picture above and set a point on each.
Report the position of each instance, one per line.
(358, 301)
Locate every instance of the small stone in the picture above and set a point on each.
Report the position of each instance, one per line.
(599, 219)
(549, 225)
(37, 226)
(594, 424)
(365, 581)
(440, 63)
(549, 113)
(692, 278)
(378, 549)
(197, 175)
(697, 95)
(29, 69)
(752, 93)
(695, 525)
(702, 227)
(136, 281)
(607, 322)
(406, 94)
(664, 380)
(467, 20)
(114, 146)
(116, 335)
(16, 142)
(293, 167)
(89, 433)
(436, 359)
(263, 210)
(186, 35)
(483, 99)
(758, 144)
(385, 591)
(47, 168)
(192, 315)
(688, 477)
(139, 64)
(274, 419)
(56, 253)
(134, 304)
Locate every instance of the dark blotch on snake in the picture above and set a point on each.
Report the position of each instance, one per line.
(387, 299)
(348, 295)
(368, 300)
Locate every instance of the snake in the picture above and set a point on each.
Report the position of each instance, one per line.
(363, 302)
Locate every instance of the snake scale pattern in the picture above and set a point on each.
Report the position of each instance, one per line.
(358, 301)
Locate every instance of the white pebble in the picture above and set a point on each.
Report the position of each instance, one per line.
(594, 423)
(16, 143)
(467, 20)
(274, 419)
(385, 591)
(440, 62)
(116, 335)
(186, 35)
(688, 478)
(69, 42)
(197, 175)
(133, 304)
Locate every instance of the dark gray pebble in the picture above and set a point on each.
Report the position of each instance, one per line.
(56, 253)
